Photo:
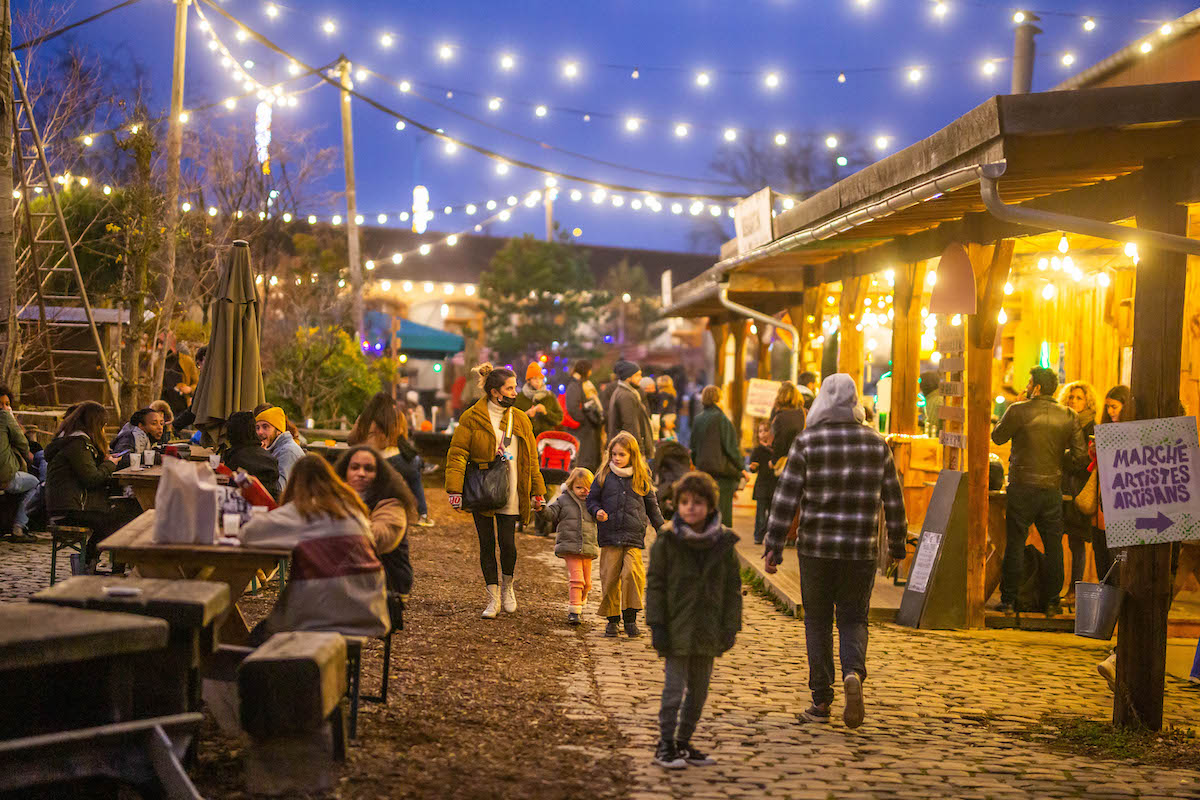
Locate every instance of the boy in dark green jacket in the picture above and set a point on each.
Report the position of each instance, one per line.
(694, 610)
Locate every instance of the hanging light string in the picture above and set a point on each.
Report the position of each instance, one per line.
(379, 106)
(241, 69)
(704, 77)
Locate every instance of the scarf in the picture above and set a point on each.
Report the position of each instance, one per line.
(836, 402)
(709, 534)
(533, 394)
(623, 472)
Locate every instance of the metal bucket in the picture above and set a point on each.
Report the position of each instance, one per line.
(1096, 608)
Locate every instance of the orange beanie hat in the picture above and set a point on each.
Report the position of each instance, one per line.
(534, 370)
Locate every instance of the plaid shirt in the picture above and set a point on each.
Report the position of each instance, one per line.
(836, 476)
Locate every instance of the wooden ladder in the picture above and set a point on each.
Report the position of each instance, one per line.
(46, 252)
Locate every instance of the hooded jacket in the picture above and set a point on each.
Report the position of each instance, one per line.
(627, 412)
(286, 453)
(528, 397)
(628, 512)
(694, 589)
(131, 438)
(714, 444)
(336, 581)
(13, 447)
(77, 475)
(569, 517)
(475, 440)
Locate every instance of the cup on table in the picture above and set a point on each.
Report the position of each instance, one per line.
(148, 458)
(214, 461)
(135, 460)
(231, 524)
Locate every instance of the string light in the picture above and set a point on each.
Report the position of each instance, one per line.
(781, 139)
(445, 52)
(681, 130)
(989, 67)
(329, 26)
(1089, 24)
(540, 111)
(914, 75)
(1103, 280)
(882, 142)
(730, 134)
(831, 142)
(703, 79)
(771, 80)
(1146, 47)
(940, 9)
(507, 62)
(1166, 29)
(570, 69)
(1019, 17)
(386, 40)
(632, 123)
(494, 104)
(271, 10)
(1068, 59)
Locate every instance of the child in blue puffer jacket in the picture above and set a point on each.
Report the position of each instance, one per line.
(623, 501)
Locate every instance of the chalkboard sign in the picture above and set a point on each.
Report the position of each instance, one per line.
(936, 593)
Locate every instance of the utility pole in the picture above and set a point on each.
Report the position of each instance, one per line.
(549, 203)
(174, 154)
(356, 280)
(1023, 53)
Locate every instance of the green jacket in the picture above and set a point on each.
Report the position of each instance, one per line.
(714, 444)
(77, 475)
(14, 447)
(694, 592)
(527, 398)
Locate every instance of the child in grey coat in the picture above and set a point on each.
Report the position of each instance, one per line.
(576, 540)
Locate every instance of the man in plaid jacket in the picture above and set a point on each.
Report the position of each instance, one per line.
(838, 474)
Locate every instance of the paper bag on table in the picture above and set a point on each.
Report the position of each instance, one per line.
(186, 504)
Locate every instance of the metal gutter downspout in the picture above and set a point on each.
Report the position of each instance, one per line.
(766, 319)
(1053, 221)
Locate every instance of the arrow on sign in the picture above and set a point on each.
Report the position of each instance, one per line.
(1159, 523)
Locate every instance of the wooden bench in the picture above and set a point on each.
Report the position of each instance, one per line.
(144, 753)
(290, 695)
(192, 609)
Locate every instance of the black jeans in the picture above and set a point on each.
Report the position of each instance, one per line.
(1043, 508)
(500, 528)
(829, 586)
(762, 512)
(102, 523)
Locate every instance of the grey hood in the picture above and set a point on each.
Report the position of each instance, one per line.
(836, 402)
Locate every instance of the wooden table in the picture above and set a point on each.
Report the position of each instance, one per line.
(192, 609)
(234, 566)
(65, 668)
(330, 453)
(144, 482)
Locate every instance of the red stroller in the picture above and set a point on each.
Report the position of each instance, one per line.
(556, 455)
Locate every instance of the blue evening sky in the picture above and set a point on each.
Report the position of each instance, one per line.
(806, 42)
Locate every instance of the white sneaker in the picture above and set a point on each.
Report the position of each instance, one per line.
(507, 596)
(424, 521)
(493, 602)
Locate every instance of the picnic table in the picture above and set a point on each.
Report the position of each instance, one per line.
(331, 452)
(144, 482)
(65, 668)
(234, 566)
(192, 609)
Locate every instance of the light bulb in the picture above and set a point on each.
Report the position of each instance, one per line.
(703, 79)
(387, 40)
(940, 9)
(576, 195)
(1002, 317)
(781, 139)
(212, 211)
(405, 86)
(788, 204)
(451, 240)
(1131, 250)
(1049, 291)
(471, 209)
(329, 26)
(831, 142)
(540, 111)
(1103, 280)
(1166, 29)
(1089, 24)
(931, 278)
(570, 69)
(681, 130)
(1068, 59)
(914, 75)
(507, 61)
(494, 104)
(337, 219)
(989, 68)
(445, 52)
(1063, 244)
(502, 168)
(381, 219)
(425, 250)
(1055, 263)
(271, 10)
(1146, 47)
(730, 134)
(632, 123)
(1019, 17)
(369, 264)
(1008, 288)
(881, 142)
(771, 80)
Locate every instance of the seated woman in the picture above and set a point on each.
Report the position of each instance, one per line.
(384, 428)
(78, 468)
(392, 506)
(336, 582)
(246, 452)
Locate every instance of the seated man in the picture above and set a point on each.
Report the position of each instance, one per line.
(272, 429)
(143, 431)
(162, 407)
(246, 452)
(14, 461)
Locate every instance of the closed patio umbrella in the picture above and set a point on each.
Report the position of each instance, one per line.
(232, 378)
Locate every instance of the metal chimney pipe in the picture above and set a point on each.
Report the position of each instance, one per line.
(1023, 51)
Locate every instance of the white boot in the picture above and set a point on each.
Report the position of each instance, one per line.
(508, 598)
(494, 602)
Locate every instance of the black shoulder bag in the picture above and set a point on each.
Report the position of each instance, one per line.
(485, 488)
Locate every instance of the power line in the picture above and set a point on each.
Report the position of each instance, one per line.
(60, 31)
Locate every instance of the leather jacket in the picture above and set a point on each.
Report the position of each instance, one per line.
(1042, 431)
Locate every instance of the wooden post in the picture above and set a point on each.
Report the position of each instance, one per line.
(991, 266)
(1157, 338)
(763, 355)
(906, 346)
(850, 340)
(352, 253)
(174, 155)
(8, 261)
(737, 392)
(720, 335)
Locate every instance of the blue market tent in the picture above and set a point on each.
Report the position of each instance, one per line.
(416, 340)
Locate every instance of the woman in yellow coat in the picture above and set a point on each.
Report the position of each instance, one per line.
(489, 428)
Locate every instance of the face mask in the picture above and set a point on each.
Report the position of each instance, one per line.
(506, 402)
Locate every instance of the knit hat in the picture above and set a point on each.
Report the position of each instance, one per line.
(534, 370)
(624, 370)
(275, 416)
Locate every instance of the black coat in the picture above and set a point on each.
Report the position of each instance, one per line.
(786, 424)
(628, 512)
(77, 475)
(255, 459)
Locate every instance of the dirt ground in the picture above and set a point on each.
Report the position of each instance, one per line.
(477, 708)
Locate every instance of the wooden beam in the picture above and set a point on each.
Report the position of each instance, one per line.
(991, 266)
(906, 346)
(720, 335)
(737, 391)
(763, 356)
(850, 340)
(1146, 574)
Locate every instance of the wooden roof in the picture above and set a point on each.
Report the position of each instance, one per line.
(1076, 152)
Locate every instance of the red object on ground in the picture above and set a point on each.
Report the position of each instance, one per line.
(556, 450)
